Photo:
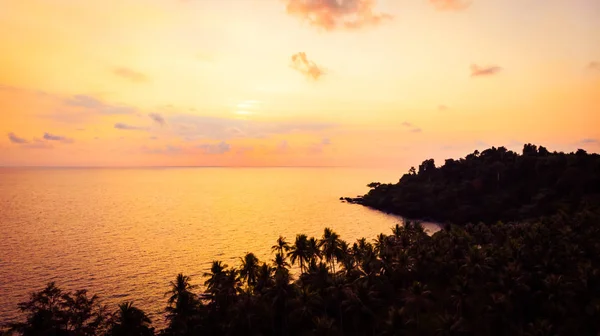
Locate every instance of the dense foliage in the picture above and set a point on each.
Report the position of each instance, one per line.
(539, 276)
(496, 184)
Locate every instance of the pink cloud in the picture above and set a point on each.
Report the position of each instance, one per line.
(335, 14)
(302, 64)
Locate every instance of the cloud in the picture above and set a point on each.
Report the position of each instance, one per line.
(168, 150)
(52, 137)
(16, 140)
(306, 67)
(336, 14)
(484, 71)
(158, 118)
(128, 127)
(192, 127)
(91, 103)
(413, 128)
(449, 5)
(218, 148)
(318, 147)
(594, 65)
(130, 74)
(589, 141)
(443, 107)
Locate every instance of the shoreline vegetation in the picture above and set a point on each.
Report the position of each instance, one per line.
(519, 254)
(493, 185)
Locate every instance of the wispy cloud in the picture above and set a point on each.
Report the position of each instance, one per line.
(165, 150)
(158, 118)
(127, 127)
(443, 107)
(336, 14)
(413, 128)
(96, 105)
(192, 127)
(589, 141)
(477, 70)
(308, 68)
(217, 148)
(130, 75)
(37, 143)
(594, 65)
(318, 147)
(450, 5)
(16, 140)
(60, 138)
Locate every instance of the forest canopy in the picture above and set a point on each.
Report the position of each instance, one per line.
(495, 184)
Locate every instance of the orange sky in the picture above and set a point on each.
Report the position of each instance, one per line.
(293, 82)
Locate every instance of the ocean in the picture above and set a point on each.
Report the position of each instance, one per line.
(124, 234)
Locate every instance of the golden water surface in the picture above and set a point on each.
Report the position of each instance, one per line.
(125, 233)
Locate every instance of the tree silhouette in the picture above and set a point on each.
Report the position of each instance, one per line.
(249, 269)
(300, 251)
(130, 320)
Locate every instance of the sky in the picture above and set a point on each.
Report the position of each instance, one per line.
(294, 82)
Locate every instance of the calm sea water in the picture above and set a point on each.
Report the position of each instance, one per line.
(125, 233)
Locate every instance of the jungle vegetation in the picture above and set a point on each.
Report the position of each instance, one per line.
(495, 184)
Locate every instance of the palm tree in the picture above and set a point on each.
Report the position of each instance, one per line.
(183, 305)
(397, 230)
(264, 278)
(180, 288)
(217, 271)
(130, 320)
(249, 269)
(299, 251)
(281, 246)
(318, 275)
(314, 252)
(330, 245)
(381, 245)
(280, 261)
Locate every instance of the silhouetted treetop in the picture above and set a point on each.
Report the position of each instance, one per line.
(495, 184)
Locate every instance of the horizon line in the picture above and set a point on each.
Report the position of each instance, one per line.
(190, 166)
